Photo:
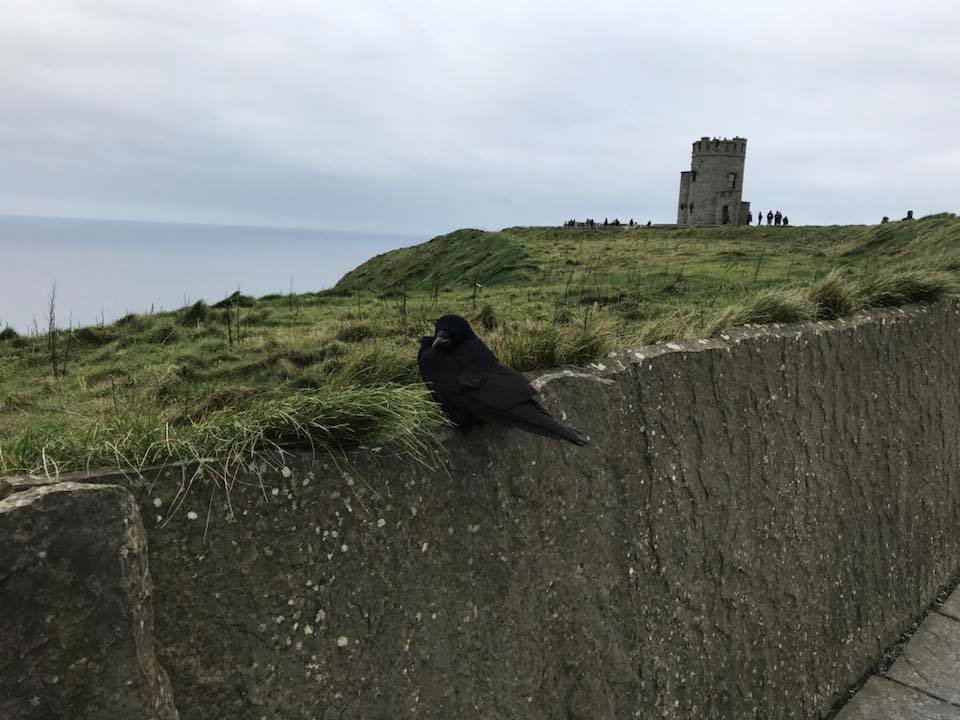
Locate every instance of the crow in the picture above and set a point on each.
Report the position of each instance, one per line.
(472, 387)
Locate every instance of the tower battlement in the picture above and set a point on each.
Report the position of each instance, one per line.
(716, 146)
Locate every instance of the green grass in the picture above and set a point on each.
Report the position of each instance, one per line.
(239, 436)
(337, 368)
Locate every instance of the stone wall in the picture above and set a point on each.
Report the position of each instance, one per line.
(757, 517)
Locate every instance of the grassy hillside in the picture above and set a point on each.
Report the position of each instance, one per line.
(444, 262)
(243, 378)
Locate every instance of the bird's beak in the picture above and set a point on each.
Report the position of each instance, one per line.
(442, 338)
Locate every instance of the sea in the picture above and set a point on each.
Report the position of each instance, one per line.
(104, 269)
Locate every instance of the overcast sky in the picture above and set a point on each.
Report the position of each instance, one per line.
(427, 115)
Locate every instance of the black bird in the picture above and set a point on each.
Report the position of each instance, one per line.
(473, 388)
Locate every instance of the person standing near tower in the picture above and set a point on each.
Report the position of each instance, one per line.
(769, 217)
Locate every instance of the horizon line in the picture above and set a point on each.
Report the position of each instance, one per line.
(296, 228)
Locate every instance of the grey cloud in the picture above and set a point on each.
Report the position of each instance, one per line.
(434, 115)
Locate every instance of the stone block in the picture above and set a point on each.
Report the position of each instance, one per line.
(77, 618)
(882, 699)
(931, 660)
(951, 607)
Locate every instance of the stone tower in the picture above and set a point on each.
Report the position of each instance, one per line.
(711, 191)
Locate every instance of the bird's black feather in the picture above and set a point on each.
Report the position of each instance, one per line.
(472, 387)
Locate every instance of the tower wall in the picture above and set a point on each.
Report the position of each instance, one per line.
(683, 212)
(715, 181)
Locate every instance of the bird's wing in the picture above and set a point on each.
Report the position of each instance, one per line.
(497, 387)
(490, 393)
(504, 397)
(485, 385)
(472, 383)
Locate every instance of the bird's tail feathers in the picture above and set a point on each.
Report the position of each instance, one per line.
(564, 432)
(541, 423)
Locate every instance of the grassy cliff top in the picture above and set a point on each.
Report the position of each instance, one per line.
(245, 377)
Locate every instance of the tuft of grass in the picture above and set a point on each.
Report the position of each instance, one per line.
(197, 313)
(217, 399)
(668, 327)
(767, 306)
(263, 430)
(134, 323)
(235, 299)
(830, 298)
(947, 263)
(170, 381)
(93, 337)
(899, 287)
(487, 317)
(371, 363)
(533, 344)
(260, 316)
(16, 402)
(163, 335)
(304, 358)
(355, 332)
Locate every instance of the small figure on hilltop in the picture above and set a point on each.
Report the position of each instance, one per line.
(909, 215)
(631, 222)
(616, 222)
(769, 217)
(749, 218)
(777, 217)
(786, 220)
(760, 218)
(649, 223)
(605, 222)
(472, 387)
(884, 220)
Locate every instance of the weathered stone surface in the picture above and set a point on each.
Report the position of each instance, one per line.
(883, 699)
(756, 519)
(931, 660)
(75, 608)
(951, 606)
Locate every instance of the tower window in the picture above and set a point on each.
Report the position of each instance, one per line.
(683, 206)
(732, 180)
(691, 207)
(693, 176)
